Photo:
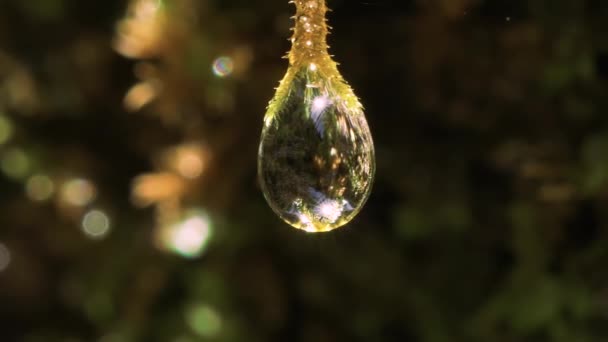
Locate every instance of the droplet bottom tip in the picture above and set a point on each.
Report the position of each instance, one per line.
(316, 228)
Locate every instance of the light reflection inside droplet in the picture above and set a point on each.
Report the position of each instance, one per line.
(96, 224)
(5, 257)
(78, 192)
(39, 188)
(318, 107)
(329, 210)
(223, 66)
(304, 219)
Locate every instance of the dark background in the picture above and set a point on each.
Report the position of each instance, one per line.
(487, 221)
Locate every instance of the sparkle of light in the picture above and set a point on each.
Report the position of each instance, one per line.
(190, 237)
(78, 192)
(305, 219)
(39, 188)
(223, 66)
(319, 105)
(204, 320)
(309, 170)
(96, 224)
(329, 210)
(309, 228)
(5, 257)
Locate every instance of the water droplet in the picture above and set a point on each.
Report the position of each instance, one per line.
(316, 159)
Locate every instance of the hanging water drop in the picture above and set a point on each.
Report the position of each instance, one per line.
(316, 159)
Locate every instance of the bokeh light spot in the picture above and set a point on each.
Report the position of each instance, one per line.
(189, 237)
(6, 130)
(96, 224)
(15, 163)
(223, 66)
(5, 257)
(190, 165)
(78, 192)
(204, 320)
(141, 95)
(39, 188)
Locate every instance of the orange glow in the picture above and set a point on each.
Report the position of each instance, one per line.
(153, 188)
(140, 95)
(189, 161)
(141, 33)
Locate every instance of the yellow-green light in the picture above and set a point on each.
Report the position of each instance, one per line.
(204, 321)
(6, 130)
(39, 188)
(15, 163)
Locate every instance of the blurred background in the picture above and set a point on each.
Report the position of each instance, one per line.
(130, 209)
